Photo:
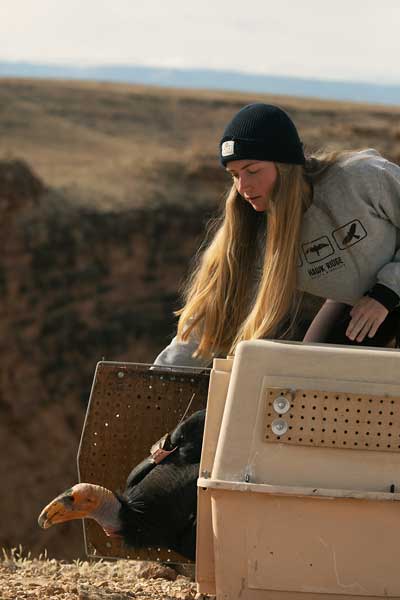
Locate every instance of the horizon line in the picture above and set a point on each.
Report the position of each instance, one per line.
(112, 65)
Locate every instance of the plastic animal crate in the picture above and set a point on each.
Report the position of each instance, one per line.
(300, 474)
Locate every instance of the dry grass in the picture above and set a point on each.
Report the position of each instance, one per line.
(117, 145)
(26, 578)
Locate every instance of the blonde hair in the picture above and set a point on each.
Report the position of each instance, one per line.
(221, 307)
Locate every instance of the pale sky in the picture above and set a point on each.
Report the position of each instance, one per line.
(340, 39)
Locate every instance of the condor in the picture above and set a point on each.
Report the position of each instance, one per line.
(159, 504)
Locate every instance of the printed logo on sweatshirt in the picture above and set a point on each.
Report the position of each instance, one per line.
(333, 264)
(317, 249)
(349, 234)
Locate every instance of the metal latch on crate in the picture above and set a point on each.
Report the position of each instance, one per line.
(332, 419)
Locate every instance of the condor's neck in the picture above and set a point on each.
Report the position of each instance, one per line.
(107, 513)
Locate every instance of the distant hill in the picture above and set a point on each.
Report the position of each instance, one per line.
(209, 79)
(113, 144)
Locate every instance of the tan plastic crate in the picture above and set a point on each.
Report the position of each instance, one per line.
(205, 565)
(315, 515)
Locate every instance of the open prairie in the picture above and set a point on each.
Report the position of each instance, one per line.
(115, 145)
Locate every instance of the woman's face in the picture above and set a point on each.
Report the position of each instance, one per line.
(254, 180)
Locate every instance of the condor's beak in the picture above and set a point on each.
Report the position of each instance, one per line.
(77, 502)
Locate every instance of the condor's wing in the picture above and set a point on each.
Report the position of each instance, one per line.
(139, 472)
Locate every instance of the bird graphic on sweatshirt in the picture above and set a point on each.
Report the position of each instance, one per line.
(317, 248)
(351, 234)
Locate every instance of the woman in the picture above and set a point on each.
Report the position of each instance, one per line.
(327, 225)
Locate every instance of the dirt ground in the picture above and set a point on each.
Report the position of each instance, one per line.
(23, 578)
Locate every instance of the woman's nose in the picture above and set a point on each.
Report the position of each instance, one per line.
(243, 184)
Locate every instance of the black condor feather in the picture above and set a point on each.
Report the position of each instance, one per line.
(159, 504)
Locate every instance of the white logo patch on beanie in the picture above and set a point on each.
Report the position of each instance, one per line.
(228, 148)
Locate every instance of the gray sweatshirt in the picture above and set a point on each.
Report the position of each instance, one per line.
(350, 240)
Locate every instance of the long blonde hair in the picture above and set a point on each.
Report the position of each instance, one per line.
(221, 305)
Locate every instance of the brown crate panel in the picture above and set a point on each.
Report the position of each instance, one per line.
(130, 408)
(336, 420)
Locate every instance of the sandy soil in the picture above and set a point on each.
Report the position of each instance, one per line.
(23, 578)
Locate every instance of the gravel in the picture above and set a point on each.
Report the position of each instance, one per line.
(26, 578)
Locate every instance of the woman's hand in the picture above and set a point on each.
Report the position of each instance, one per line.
(366, 316)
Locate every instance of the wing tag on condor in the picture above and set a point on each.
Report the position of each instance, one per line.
(159, 450)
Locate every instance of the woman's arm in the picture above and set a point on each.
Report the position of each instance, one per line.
(179, 354)
(386, 201)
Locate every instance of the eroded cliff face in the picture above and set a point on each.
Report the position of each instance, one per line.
(77, 286)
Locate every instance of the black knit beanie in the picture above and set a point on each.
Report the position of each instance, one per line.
(261, 132)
